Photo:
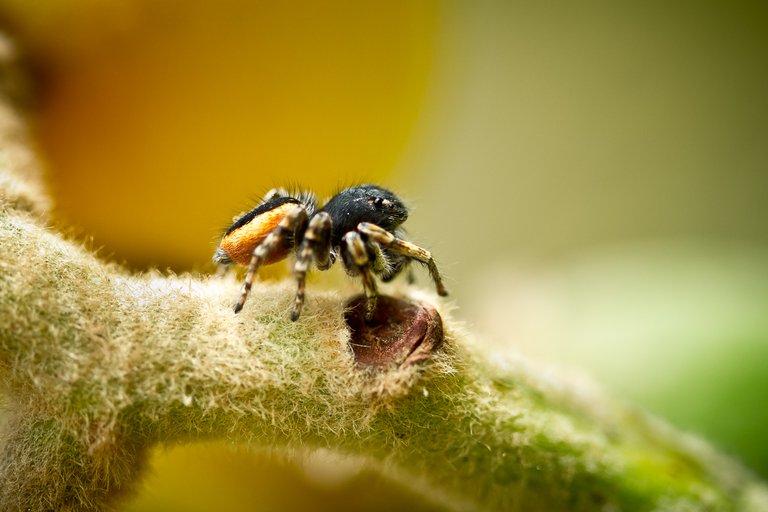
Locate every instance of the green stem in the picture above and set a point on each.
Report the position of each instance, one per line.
(98, 365)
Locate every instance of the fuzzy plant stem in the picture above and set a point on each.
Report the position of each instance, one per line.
(98, 365)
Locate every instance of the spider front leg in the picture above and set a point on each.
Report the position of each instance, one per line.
(407, 249)
(356, 257)
(316, 242)
(274, 242)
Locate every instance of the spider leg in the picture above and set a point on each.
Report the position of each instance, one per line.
(410, 276)
(286, 228)
(321, 239)
(316, 242)
(221, 270)
(395, 263)
(392, 243)
(356, 256)
(275, 192)
(397, 267)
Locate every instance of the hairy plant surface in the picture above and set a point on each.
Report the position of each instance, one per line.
(98, 365)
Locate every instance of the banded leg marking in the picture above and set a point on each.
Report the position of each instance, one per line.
(357, 251)
(315, 243)
(275, 192)
(277, 236)
(390, 241)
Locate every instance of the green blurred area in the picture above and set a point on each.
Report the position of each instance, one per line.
(592, 177)
(561, 127)
(677, 327)
(600, 197)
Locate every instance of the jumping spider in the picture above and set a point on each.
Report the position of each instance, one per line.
(360, 224)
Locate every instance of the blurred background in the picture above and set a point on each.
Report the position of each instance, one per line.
(592, 178)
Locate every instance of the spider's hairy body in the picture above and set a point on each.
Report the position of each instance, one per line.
(359, 225)
(239, 242)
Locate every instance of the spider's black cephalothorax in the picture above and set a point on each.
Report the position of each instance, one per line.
(364, 203)
(359, 224)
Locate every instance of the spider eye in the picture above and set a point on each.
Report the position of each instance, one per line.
(381, 202)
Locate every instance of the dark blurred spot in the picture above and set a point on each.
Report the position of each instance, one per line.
(400, 332)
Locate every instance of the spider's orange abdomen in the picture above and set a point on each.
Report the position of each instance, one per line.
(240, 243)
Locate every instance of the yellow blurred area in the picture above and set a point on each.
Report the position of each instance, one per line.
(162, 120)
(217, 476)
